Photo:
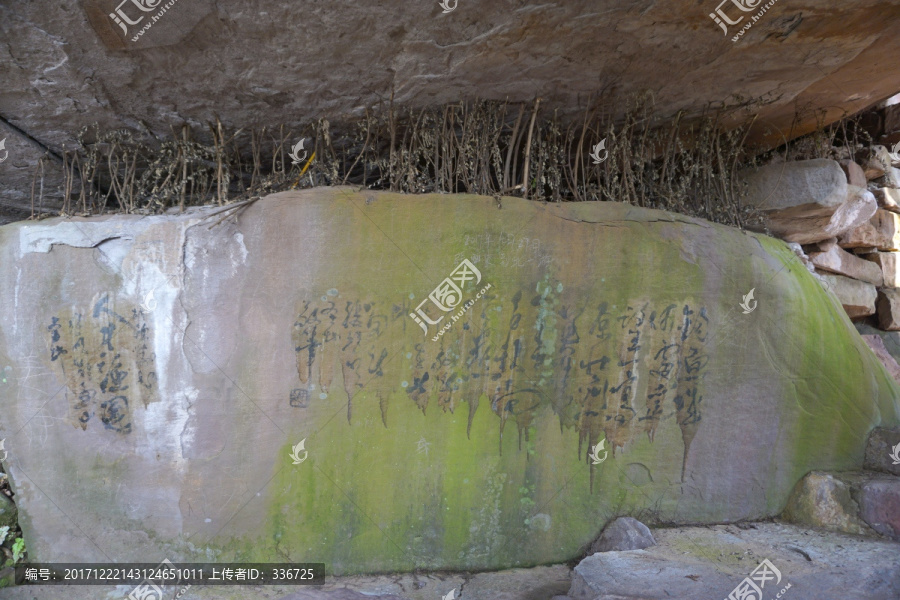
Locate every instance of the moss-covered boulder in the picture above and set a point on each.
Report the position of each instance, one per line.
(382, 382)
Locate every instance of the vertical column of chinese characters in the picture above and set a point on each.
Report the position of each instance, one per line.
(329, 345)
(693, 361)
(375, 350)
(306, 344)
(620, 420)
(507, 359)
(596, 387)
(663, 368)
(566, 361)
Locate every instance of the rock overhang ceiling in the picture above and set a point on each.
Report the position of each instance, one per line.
(153, 65)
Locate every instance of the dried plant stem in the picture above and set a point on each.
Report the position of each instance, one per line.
(525, 183)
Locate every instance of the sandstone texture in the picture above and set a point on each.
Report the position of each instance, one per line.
(842, 262)
(858, 502)
(887, 261)
(880, 449)
(71, 68)
(888, 198)
(625, 533)
(882, 231)
(876, 343)
(162, 372)
(824, 501)
(807, 201)
(889, 309)
(711, 562)
(857, 297)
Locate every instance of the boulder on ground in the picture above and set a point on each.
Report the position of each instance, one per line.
(838, 260)
(857, 297)
(888, 306)
(625, 533)
(880, 450)
(879, 505)
(823, 501)
(710, 562)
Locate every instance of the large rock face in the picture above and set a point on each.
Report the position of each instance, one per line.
(71, 67)
(160, 374)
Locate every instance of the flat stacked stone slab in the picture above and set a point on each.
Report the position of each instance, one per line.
(807, 201)
(887, 262)
(882, 231)
(841, 262)
(888, 304)
(857, 297)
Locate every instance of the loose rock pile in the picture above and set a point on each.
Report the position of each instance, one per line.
(846, 218)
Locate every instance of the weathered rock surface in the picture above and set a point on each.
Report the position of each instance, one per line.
(879, 505)
(214, 352)
(824, 501)
(8, 512)
(882, 231)
(891, 339)
(807, 201)
(888, 198)
(887, 261)
(857, 297)
(855, 174)
(888, 305)
(879, 449)
(859, 502)
(538, 583)
(890, 363)
(819, 184)
(625, 533)
(337, 595)
(711, 562)
(70, 68)
(838, 260)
